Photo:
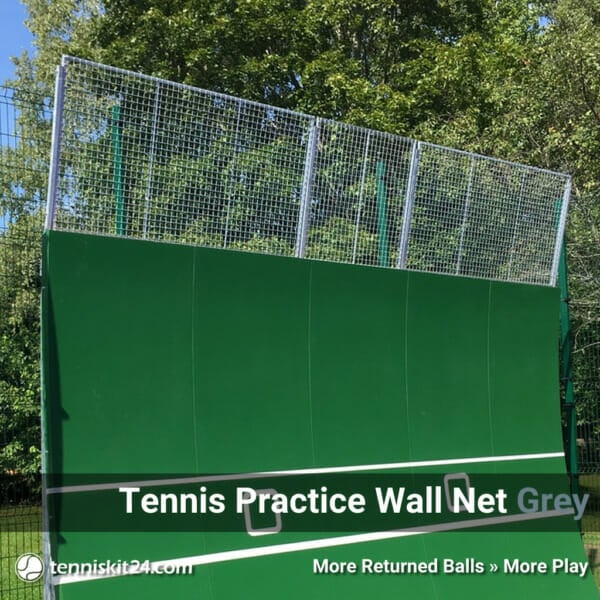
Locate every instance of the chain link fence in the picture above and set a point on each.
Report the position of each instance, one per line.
(24, 144)
(586, 378)
(586, 382)
(146, 158)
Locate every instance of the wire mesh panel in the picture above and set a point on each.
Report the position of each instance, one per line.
(145, 158)
(152, 159)
(586, 383)
(358, 195)
(482, 217)
(440, 210)
(24, 144)
(586, 379)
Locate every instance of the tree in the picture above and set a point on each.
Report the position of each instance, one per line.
(382, 64)
(23, 175)
(19, 347)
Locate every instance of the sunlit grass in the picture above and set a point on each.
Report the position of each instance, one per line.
(590, 484)
(20, 532)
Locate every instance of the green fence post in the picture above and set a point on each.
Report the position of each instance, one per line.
(382, 215)
(117, 134)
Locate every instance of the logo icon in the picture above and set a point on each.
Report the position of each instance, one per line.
(29, 567)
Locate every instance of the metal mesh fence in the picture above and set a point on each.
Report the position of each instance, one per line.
(482, 217)
(24, 144)
(357, 195)
(145, 158)
(586, 381)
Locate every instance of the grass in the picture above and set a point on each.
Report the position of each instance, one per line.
(20, 532)
(590, 525)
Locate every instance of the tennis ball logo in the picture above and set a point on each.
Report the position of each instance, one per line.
(29, 567)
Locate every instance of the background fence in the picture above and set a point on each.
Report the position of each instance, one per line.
(586, 378)
(586, 383)
(152, 159)
(24, 146)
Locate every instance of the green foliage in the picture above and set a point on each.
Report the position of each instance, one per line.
(384, 64)
(335, 240)
(19, 346)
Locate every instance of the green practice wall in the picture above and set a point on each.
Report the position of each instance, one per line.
(171, 359)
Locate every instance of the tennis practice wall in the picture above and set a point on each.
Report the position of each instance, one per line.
(162, 358)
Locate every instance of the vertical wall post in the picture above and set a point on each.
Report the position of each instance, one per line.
(53, 179)
(120, 225)
(57, 127)
(560, 233)
(307, 188)
(408, 203)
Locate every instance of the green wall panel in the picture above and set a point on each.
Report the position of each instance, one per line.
(121, 359)
(446, 357)
(523, 369)
(170, 359)
(251, 364)
(356, 366)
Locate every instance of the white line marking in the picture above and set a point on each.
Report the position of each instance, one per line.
(206, 559)
(67, 489)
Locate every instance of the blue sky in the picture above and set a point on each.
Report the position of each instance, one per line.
(14, 36)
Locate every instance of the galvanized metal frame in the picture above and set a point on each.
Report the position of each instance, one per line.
(57, 121)
(560, 235)
(409, 203)
(307, 188)
(267, 171)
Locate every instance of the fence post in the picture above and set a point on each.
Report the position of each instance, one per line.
(53, 178)
(382, 213)
(117, 139)
(57, 125)
(307, 187)
(408, 203)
